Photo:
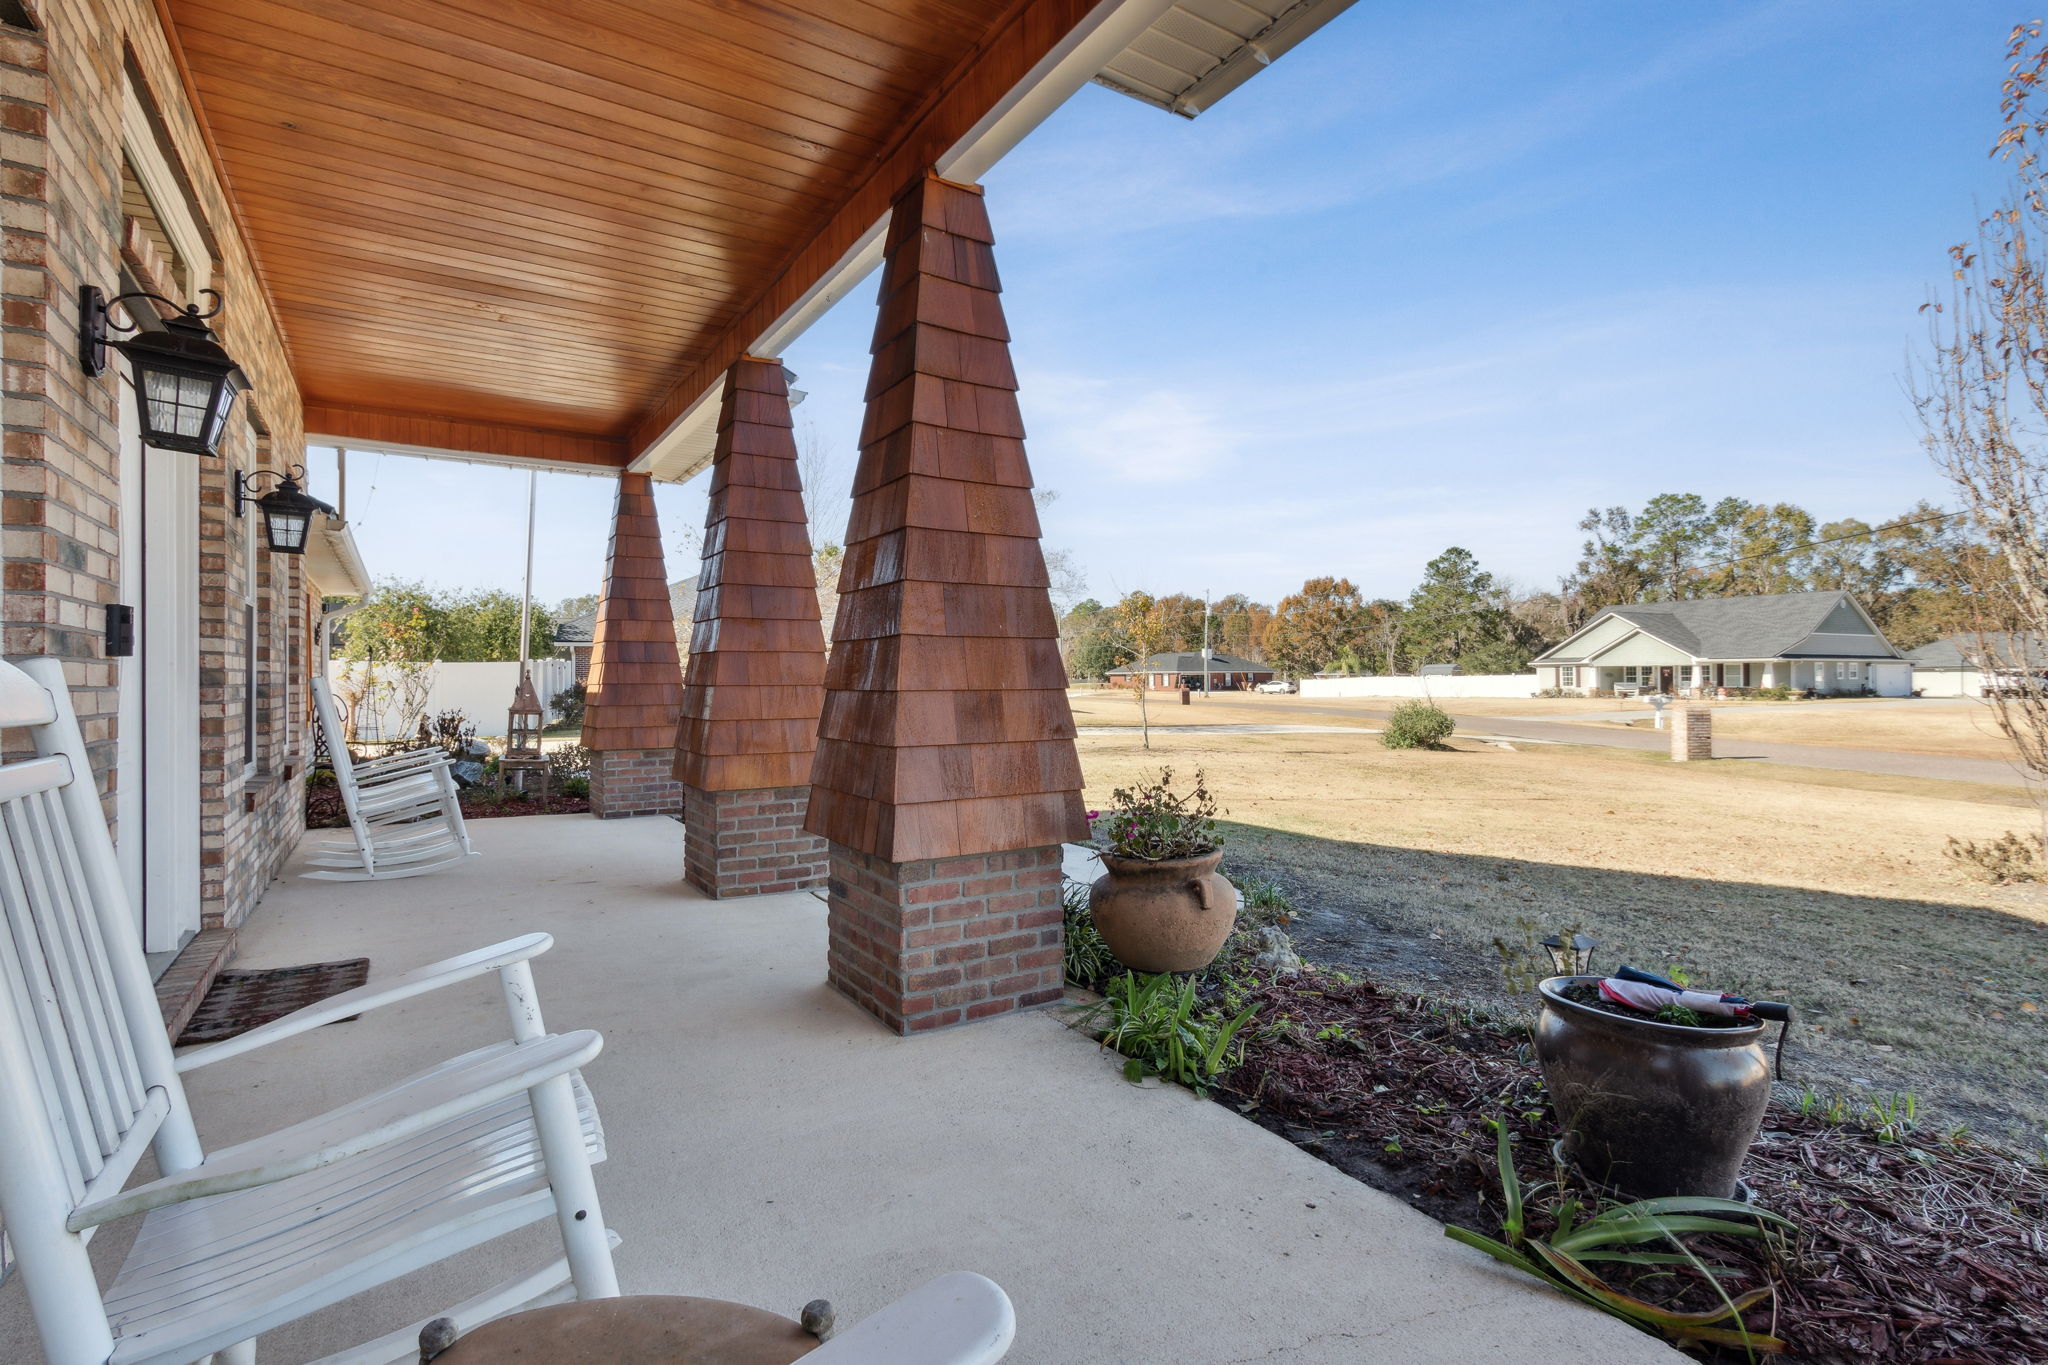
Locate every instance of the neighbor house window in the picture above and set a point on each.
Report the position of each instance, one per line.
(1568, 676)
(1646, 674)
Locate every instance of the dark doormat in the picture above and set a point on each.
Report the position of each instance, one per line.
(240, 1001)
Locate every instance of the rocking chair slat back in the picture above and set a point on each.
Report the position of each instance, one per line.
(57, 970)
(87, 1081)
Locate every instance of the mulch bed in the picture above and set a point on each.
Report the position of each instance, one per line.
(324, 810)
(1922, 1250)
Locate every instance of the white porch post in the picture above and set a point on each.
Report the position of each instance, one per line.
(1770, 673)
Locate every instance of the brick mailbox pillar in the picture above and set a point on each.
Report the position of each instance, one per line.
(1692, 732)
(636, 677)
(751, 696)
(946, 777)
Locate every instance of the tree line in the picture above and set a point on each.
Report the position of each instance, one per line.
(403, 622)
(1912, 574)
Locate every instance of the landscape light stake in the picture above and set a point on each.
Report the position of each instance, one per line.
(1573, 960)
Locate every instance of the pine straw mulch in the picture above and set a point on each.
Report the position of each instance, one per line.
(1921, 1250)
(324, 809)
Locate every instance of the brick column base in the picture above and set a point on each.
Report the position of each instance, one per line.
(634, 782)
(1692, 733)
(926, 944)
(750, 843)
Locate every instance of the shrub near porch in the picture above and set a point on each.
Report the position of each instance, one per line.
(1825, 888)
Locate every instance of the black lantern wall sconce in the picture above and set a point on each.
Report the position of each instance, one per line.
(185, 384)
(287, 508)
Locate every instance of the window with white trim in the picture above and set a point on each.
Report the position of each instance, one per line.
(1643, 674)
(1568, 676)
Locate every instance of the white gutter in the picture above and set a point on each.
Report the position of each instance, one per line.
(1109, 28)
(1276, 41)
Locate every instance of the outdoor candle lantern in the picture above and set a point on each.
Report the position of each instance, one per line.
(287, 509)
(524, 721)
(1572, 960)
(185, 384)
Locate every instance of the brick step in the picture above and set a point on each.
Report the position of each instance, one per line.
(180, 989)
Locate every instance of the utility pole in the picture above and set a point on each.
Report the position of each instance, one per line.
(1207, 656)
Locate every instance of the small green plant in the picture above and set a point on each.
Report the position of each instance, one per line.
(1417, 725)
(320, 777)
(1565, 1259)
(568, 705)
(1088, 957)
(1552, 693)
(1150, 821)
(1525, 962)
(1833, 1111)
(1680, 1014)
(577, 787)
(2002, 861)
(1266, 903)
(1772, 694)
(1157, 1023)
(1893, 1117)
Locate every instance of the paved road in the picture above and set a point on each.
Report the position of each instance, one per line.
(1994, 771)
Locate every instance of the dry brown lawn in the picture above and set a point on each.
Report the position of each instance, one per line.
(1962, 731)
(1825, 888)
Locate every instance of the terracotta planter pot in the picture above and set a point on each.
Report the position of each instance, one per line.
(1169, 916)
(1652, 1109)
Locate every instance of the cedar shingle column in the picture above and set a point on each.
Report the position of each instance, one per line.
(757, 658)
(636, 680)
(946, 777)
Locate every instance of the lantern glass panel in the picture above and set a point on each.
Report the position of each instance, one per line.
(180, 405)
(287, 530)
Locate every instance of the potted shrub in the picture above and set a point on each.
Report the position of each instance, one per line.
(1652, 1106)
(1161, 905)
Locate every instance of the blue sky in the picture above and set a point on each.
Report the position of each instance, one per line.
(1445, 274)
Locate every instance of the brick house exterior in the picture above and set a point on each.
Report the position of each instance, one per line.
(76, 212)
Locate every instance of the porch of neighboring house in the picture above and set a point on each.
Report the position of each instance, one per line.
(770, 1143)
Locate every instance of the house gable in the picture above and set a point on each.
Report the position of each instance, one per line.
(1847, 632)
(1639, 647)
(1602, 632)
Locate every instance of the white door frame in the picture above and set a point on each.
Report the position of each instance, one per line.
(157, 799)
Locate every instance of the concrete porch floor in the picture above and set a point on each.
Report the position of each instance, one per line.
(772, 1144)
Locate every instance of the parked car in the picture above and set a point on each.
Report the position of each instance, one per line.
(1277, 685)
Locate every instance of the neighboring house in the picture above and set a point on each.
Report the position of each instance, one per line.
(1955, 667)
(1816, 641)
(1226, 672)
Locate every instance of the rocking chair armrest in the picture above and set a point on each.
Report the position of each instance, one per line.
(470, 1083)
(956, 1319)
(404, 986)
(411, 758)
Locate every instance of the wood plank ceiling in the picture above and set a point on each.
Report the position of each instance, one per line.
(539, 216)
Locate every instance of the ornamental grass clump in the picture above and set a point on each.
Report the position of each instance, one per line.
(1152, 822)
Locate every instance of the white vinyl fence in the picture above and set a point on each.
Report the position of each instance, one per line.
(1450, 685)
(482, 692)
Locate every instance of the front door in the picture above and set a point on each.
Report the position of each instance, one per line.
(157, 694)
(1664, 679)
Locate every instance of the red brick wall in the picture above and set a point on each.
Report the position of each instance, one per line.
(927, 944)
(60, 197)
(750, 843)
(626, 782)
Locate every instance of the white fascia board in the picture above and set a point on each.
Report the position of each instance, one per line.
(336, 565)
(356, 445)
(683, 450)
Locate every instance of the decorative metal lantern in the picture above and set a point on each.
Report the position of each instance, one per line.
(1573, 960)
(185, 384)
(287, 509)
(523, 723)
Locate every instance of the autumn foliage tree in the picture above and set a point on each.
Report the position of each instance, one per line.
(1311, 628)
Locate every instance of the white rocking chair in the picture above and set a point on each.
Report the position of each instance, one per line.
(239, 1241)
(404, 813)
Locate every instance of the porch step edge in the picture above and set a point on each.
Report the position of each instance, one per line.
(180, 989)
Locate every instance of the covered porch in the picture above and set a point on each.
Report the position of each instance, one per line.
(771, 1143)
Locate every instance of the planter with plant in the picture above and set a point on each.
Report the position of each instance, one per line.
(1660, 1090)
(1161, 905)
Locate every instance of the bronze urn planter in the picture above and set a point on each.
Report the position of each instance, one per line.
(1651, 1109)
(1169, 915)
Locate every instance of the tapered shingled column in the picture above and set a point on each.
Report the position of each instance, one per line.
(756, 675)
(636, 678)
(946, 777)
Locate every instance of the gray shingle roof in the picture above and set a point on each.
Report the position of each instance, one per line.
(1961, 651)
(1191, 663)
(1766, 627)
